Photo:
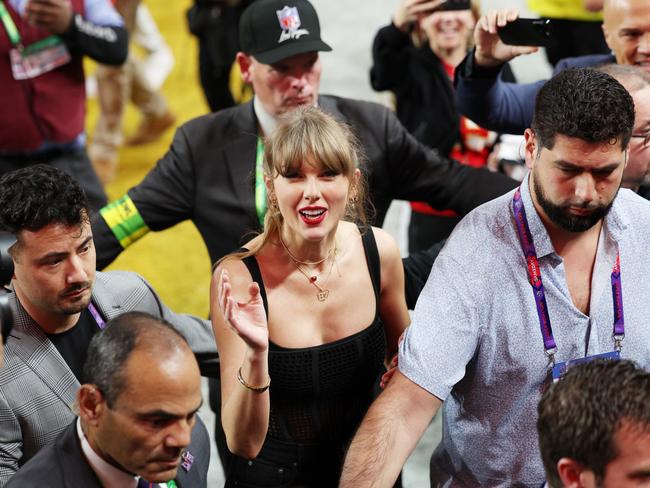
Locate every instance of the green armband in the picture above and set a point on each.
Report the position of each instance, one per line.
(123, 218)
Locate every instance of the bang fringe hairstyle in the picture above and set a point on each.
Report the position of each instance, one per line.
(307, 135)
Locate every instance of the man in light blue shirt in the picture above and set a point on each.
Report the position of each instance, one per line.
(483, 340)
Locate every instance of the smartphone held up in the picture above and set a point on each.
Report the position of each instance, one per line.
(527, 32)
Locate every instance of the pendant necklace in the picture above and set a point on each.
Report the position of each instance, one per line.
(323, 292)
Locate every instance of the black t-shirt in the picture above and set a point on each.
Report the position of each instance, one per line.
(73, 343)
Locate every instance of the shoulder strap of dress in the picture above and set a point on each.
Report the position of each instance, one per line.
(256, 274)
(372, 258)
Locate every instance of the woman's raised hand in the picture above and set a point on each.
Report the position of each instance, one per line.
(248, 319)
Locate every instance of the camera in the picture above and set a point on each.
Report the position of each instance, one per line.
(6, 273)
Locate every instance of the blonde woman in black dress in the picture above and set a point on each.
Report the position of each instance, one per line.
(307, 314)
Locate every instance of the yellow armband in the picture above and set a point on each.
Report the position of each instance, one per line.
(123, 218)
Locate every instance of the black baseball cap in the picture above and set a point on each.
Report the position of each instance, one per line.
(272, 30)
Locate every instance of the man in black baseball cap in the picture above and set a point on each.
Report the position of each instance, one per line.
(280, 41)
(209, 173)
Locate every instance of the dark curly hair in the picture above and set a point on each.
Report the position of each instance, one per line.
(580, 415)
(34, 197)
(585, 104)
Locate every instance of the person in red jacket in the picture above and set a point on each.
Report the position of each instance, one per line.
(42, 108)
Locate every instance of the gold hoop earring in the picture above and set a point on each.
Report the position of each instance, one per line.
(273, 203)
(352, 202)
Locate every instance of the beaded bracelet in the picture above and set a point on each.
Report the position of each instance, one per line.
(256, 389)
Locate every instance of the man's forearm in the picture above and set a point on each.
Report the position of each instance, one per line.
(388, 434)
(105, 44)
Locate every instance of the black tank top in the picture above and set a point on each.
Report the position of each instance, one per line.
(320, 394)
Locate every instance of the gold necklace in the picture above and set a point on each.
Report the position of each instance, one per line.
(323, 293)
(307, 263)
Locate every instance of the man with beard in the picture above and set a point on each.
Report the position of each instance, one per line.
(59, 303)
(525, 283)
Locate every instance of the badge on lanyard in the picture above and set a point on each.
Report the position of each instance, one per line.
(38, 58)
(560, 369)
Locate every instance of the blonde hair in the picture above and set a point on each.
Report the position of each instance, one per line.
(307, 134)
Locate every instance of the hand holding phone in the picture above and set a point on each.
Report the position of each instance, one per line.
(527, 32)
(490, 50)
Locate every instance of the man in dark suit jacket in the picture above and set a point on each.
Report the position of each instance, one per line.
(133, 429)
(212, 172)
(58, 304)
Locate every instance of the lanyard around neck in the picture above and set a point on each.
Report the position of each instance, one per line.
(535, 279)
(96, 315)
(260, 186)
(10, 27)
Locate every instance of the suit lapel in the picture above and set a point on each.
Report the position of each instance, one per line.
(39, 354)
(195, 475)
(105, 301)
(240, 157)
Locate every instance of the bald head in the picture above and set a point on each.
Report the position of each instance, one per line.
(626, 24)
(131, 332)
(141, 393)
(637, 82)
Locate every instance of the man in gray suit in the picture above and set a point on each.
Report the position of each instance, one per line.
(59, 303)
(133, 429)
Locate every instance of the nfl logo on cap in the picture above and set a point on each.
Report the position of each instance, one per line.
(290, 24)
(289, 18)
(272, 30)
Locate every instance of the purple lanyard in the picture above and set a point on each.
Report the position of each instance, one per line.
(535, 279)
(95, 313)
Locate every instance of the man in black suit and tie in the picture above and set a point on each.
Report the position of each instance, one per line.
(137, 424)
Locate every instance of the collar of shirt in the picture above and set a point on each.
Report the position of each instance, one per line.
(615, 222)
(109, 475)
(267, 122)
